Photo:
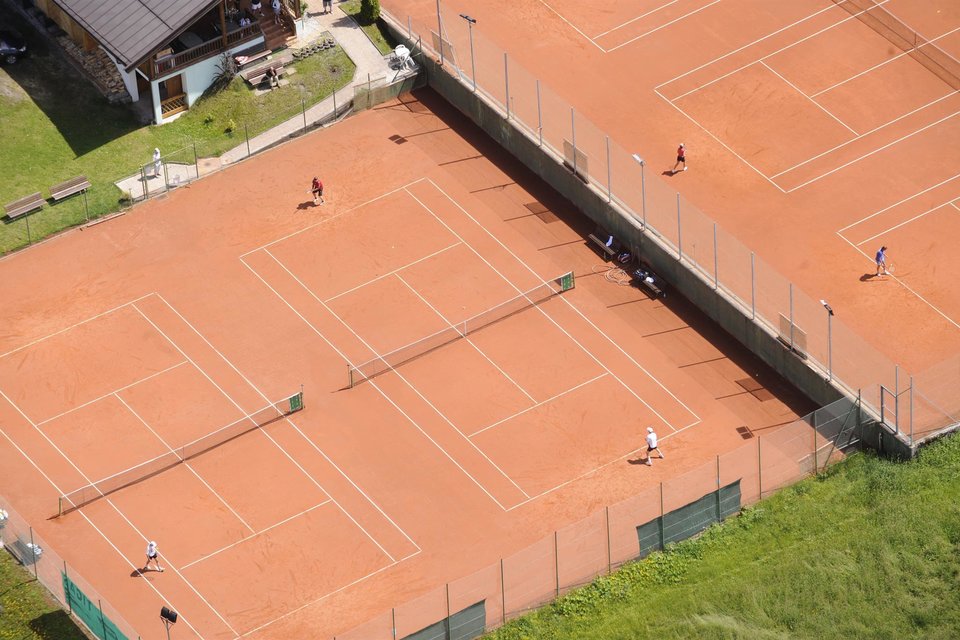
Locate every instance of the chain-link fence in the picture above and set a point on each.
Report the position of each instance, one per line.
(71, 590)
(668, 512)
(926, 402)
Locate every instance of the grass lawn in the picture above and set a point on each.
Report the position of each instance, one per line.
(29, 612)
(376, 31)
(56, 126)
(869, 550)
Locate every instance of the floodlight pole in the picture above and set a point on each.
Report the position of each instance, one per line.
(829, 339)
(473, 61)
(440, 31)
(643, 189)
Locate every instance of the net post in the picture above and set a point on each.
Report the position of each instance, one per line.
(349, 377)
(60, 507)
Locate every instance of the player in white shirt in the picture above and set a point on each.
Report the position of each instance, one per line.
(153, 556)
(652, 445)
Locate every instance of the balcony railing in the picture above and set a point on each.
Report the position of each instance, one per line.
(173, 105)
(173, 62)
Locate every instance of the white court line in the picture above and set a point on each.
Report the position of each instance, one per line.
(572, 307)
(769, 35)
(234, 403)
(114, 392)
(663, 26)
(416, 391)
(905, 222)
(255, 534)
(115, 508)
(797, 89)
(903, 284)
(74, 325)
(467, 338)
(863, 135)
(386, 275)
(870, 153)
(897, 204)
(327, 220)
(102, 534)
(639, 17)
(573, 26)
(539, 404)
(954, 205)
(298, 430)
(185, 462)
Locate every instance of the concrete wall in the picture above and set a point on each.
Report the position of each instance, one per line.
(760, 340)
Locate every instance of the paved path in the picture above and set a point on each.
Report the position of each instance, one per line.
(370, 63)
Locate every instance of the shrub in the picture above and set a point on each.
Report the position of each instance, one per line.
(369, 11)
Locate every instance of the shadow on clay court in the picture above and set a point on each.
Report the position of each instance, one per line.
(870, 277)
(308, 204)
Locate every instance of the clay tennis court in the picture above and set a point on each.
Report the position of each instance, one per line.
(811, 137)
(134, 337)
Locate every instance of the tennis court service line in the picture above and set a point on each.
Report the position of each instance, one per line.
(413, 388)
(572, 26)
(662, 26)
(266, 434)
(565, 301)
(86, 479)
(186, 463)
(468, 339)
(390, 273)
(110, 393)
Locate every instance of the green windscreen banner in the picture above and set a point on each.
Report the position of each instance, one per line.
(89, 611)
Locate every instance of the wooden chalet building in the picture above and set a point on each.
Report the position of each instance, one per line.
(169, 51)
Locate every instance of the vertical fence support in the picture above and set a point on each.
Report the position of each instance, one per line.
(759, 469)
(26, 219)
(753, 287)
(33, 551)
(573, 137)
(246, 134)
(86, 208)
(143, 179)
(448, 609)
(66, 596)
(660, 519)
(716, 260)
(609, 550)
(409, 29)
(196, 160)
(103, 622)
(719, 510)
(369, 88)
(643, 194)
(393, 622)
(790, 289)
(896, 398)
(506, 83)
(679, 232)
(609, 174)
(440, 32)
(816, 457)
(911, 411)
(166, 177)
(556, 559)
(303, 110)
(539, 114)
(503, 594)
(334, 103)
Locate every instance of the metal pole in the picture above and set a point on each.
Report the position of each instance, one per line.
(86, 209)
(911, 411)
(473, 62)
(896, 397)
(609, 174)
(609, 550)
(573, 135)
(393, 618)
(759, 469)
(103, 622)
(66, 595)
(539, 114)
(440, 32)
(643, 194)
(196, 160)
(33, 552)
(816, 460)
(753, 288)
(409, 29)
(246, 134)
(143, 179)
(791, 316)
(506, 83)
(716, 266)
(503, 594)
(369, 86)
(660, 519)
(556, 559)
(719, 511)
(27, 220)
(679, 232)
(303, 109)
(448, 607)
(334, 103)
(829, 346)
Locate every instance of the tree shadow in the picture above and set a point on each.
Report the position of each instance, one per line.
(56, 625)
(81, 115)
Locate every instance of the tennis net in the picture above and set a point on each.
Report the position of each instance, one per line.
(87, 494)
(905, 38)
(392, 360)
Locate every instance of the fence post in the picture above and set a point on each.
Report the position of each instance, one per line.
(86, 209)
(816, 458)
(556, 559)
(609, 174)
(679, 232)
(66, 596)
(393, 622)
(759, 469)
(166, 177)
(753, 288)
(103, 622)
(573, 136)
(716, 260)
(26, 219)
(911, 411)
(506, 84)
(246, 134)
(33, 552)
(896, 397)
(440, 32)
(303, 109)
(660, 519)
(143, 179)
(503, 594)
(448, 608)
(609, 551)
(719, 510)
(539, 114)
(409, 29)
(335, 103)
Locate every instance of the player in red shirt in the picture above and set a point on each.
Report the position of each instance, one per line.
(681, 158)
(317, 189)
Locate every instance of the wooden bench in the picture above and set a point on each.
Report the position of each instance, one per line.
(258, 76)
(24, 206)
(247, 58)
(70, 187)
(643, 276)
(599, 239)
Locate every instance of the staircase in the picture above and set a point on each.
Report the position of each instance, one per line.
(277, 36)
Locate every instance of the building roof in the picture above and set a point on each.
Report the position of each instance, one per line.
(133, 29)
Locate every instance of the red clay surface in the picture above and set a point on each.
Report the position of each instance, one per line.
(810, 137)
(141, 334)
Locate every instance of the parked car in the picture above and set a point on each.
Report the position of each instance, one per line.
(12, 47)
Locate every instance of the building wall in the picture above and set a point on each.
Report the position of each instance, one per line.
(74, 31)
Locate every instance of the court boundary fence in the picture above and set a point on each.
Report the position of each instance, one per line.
(647, 212)
(625, 532)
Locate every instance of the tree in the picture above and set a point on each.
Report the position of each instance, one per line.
(369, 11)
